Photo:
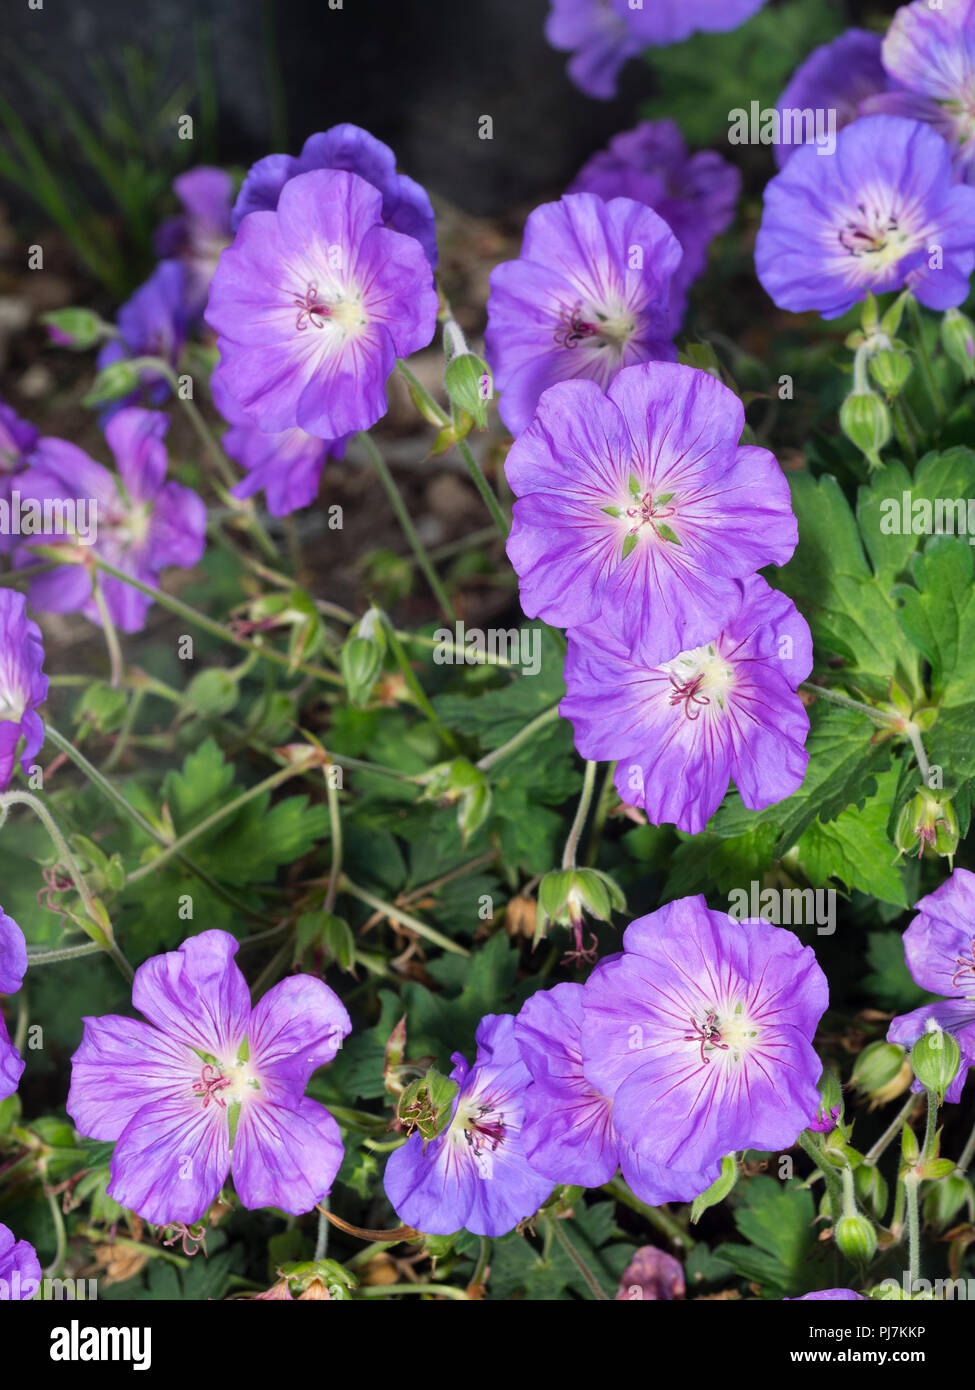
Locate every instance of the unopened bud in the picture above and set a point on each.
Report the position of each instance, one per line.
(470, 386)
(958, 341)
(865, 420)
(936, 1058)
(856, 1238)
(945, 1199)
(878, 1065)
(871, 1188)
(77, 329)
(890, 369)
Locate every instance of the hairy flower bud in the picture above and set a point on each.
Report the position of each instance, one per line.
(958, 341)
(865, 420)
(936, 1058)
(856, 1238)
(890, 369)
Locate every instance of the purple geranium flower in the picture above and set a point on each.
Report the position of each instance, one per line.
(640, 506)
(832, 1295)
(314, 303)
(602, 35)
(210, 1085)
(601, 38)
(929, 53)
(287, 465)
(13, 968)
(23, 686)
(406, 207)
(701, 1032)
(695, 194)
(682, 730)
(153, 323)
(940, 949)
(17, 441)
(20, 1269)
(137, 521)
(652, 1274)
(568, 1132)
(200, 233)
(588, 296)
(836, 77)
(475, 1174)
(880, 214)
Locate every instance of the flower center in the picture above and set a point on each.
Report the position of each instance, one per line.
(966, 969)
(223, 1084)
(876, 234)
(315, 311)
(714, 1030)
(699, 679)
(576, 326)
(481, 1127)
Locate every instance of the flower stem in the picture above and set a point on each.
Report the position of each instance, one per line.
(890, 1133)
(834, 697)
(200, 620)
(484, 487)
(927, 371)
(582, 811)
(656, 1216)
(335, 825)
(967, 1154)
(910, 1183)
(522, 736)
(393, 1290)
(403, 517)
(833, 1185)
(111, 636)
(592, 1283)
(128, 810)
(398, 915)
(222, 813)
(931, 1125)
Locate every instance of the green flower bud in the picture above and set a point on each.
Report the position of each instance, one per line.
(77, 329)
(958, 341)
(877, 1066)
(856, 1238)
(936, 1058)
(460, 783)
(890, 369)
(865, 420)
(927, 823)
(871, 1188)
(945, 1199)
(361, 663)
(470, 386)
(113, 383)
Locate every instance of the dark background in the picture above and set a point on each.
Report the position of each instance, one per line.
(417, 73)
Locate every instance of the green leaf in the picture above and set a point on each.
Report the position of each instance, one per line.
(889, 984)
(850, 614)
(938, 616)
(855, 848)
(783, 1254)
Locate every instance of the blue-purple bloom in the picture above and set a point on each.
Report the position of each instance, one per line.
(20, 1269)
(152, 323)
(939, 946)
(210, 1085)
(198, 235)
(602, 35)
(142, 523)
(681, 730)
(588, 296)
(929, 54)
(641, 507)
(880, 214)
(314, 302)
(836, 77)
(13, 968)
(701, 1033)
(17, 441)
(568, 1132)
(828, 1295)
(287, 465)
(696, 195)
(23, 687)
(475, 1175)
(406, 206)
